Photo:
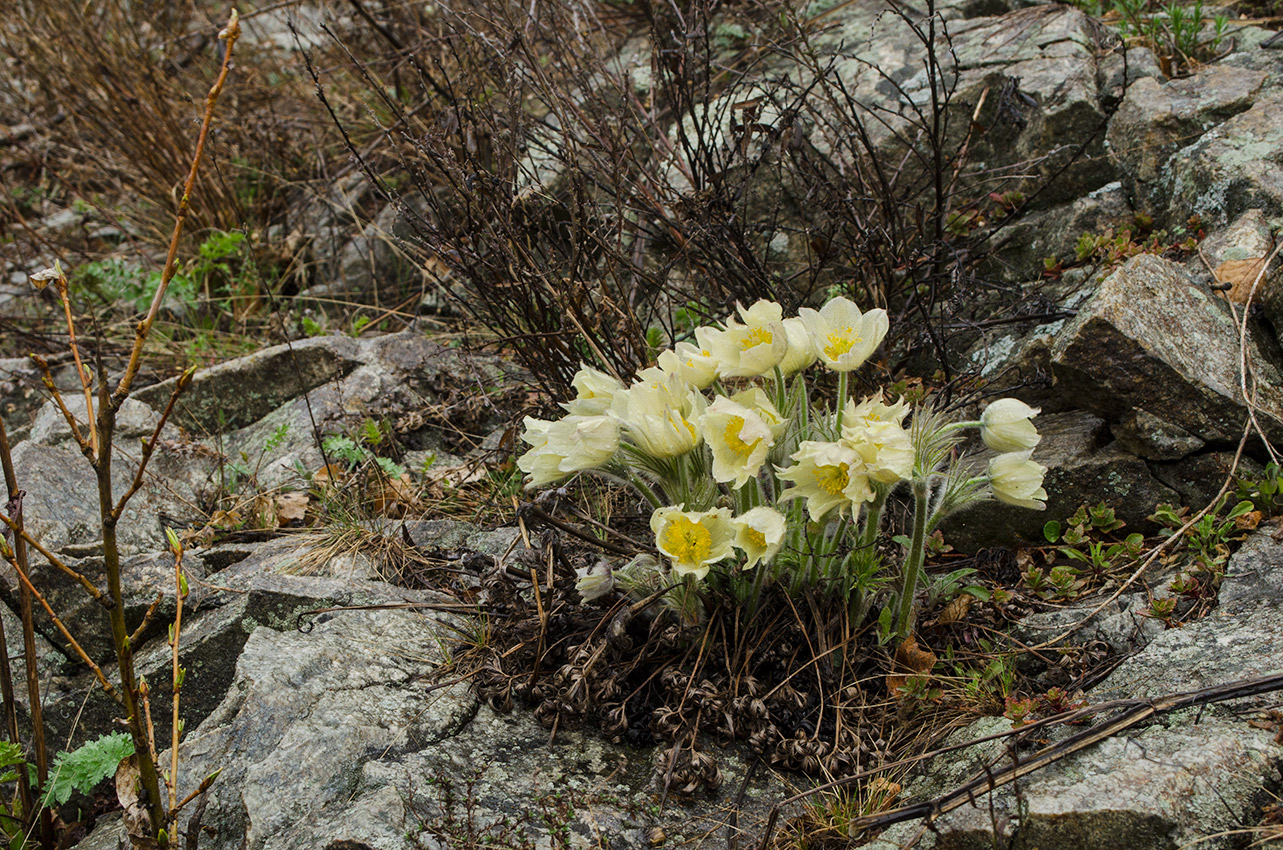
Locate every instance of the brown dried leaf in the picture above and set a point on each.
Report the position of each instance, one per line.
(291, 509)
(142, 836)
(1249, 520)
(955, 610)
(911, 657)
(1240, 275)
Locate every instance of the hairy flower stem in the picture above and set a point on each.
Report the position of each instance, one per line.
(841, 402)
(913, 563)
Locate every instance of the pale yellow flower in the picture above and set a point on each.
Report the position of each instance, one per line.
(739, 440)
(759, 534)
(594, 389)
(873, 409)
(885, 448)
(828, 476)
(754, 347)
(801, 352)
(558, 449)
(696, 365)
(693, 541)
(844, 337)
(757, 400)
(1005, 426)
(659, 414)
(1017, 480)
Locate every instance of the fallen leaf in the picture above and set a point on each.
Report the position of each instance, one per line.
(291, 509)
(912, 657)
(135, 816)
(1248, 521)
(955, 610)
(1240, 275)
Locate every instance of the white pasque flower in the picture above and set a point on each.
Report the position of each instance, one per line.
(1005, 426)
(754, 347)
(759, 534)
(595, 582)
(801, 352)
(828, 476)
(568, 445)
(694, 363)
(844, 337)
(659, 414)
(1017, 480)
(594, 389)
(693, 540)
(739, 439)
(873, 428)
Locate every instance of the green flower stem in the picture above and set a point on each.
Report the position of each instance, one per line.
(642, 487)
(781, 392)
(913, 564)
(958, 426)
(872, 519)
(841, 403)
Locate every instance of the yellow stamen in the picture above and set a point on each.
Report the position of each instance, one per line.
(756, 336)
(755, 537)
(840, 342)
(732, 436)
(686, 541)
(832, 479)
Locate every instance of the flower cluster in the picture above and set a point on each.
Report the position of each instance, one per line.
(743, 472)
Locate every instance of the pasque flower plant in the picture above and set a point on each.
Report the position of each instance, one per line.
(752, 485)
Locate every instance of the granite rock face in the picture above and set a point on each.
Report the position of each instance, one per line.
(1153, 338)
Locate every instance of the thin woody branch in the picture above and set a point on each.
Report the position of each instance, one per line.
(52, 558)
(149, 446)
(47, 378)
(75, 645)
(229, 34)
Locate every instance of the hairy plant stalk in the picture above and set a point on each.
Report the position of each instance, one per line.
(180, 594)
(913, 563)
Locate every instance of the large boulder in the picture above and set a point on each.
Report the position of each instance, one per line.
(1154, 339)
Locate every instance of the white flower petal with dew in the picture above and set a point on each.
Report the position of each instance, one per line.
(594, 389)
(759, 534)
(885, 447)
(566, 446)
(738, 439)
(693, 540)
(659, 414)
(1005, 426)
(844, 337)
(757, 400)
(1017, 480)
(801, 353)
(828, 476)
(754, 347)
(696, 365)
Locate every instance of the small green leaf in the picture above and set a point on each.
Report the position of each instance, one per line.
(1051, 531)
(86, 766)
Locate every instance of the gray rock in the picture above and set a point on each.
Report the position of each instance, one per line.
(133, 420)
(1196, 776)
(1247, 238)
(1151, 437)
(240, 392)
(1232, 168)
(1120, 626)
(1152, 338)
(1054, 232)
(1197, 478)
(1158, 118)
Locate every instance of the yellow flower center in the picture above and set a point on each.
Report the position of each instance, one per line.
(687, 542)
(732, 436)
(756, 336)
(840, 342)
(755, 537)
(832, 479)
